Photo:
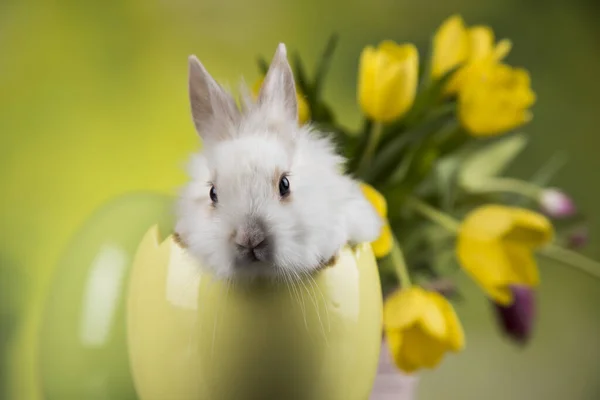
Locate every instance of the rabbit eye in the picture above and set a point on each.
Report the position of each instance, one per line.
(284, 186)
(213, 194)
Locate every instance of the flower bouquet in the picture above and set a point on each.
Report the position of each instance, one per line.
(437, 136)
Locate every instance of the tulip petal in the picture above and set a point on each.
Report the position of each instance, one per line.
(529, 228)
(257, 85)
(455, 336)
(375, 198)
(495, 247)
(408, 80)
(481, 42)
(395, 344)
(524, 265)
(494, 99)
(366, 79)
(383, 245)
(403, 308)
(303, 109)
(487, 263)
(450, 46)
(433, 320)
(390, 101)
(388, 80)
(394, 51)
(501, 294)
(488, 222)
(421, 349)
(502, 49)
(421, 327)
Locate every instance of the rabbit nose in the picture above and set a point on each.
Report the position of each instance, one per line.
(251, 236)
(252, 241)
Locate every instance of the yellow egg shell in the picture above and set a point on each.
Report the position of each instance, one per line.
(192, 337)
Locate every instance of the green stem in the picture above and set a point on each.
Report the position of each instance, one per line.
(373, 141)
(572, 258)
(551, 251)
(400, 264)
(432, 214)
(507, 185)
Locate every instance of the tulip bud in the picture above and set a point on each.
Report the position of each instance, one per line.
(388, 80)
(578, 238)
(450, 46)
(556, 204)
(495, 98)
(517, 319)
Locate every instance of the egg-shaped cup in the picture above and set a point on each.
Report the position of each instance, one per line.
(82, 340)
(194, 337)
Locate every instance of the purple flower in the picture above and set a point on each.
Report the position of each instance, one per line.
(517, 319)
(577, 239)
(556, 203)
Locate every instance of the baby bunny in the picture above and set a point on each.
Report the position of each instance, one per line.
(267, 198)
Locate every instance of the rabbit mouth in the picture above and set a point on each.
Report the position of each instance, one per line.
(254, 255)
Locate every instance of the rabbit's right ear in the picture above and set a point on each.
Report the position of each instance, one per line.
(210, 104)
(278, 88)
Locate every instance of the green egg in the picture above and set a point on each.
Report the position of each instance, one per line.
(83, 339)
(194, 337)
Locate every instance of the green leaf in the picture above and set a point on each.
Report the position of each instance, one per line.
(427, 98)
(426, 66)
(392, 153)
(302, 79)
(544, 175)
(322, 113)
(400, 173)
(354, 153)
(323, 65)
(423, 157)
(389, 157)
(491, 160)
(436, 89)
(263, 65)
(425, 71)
(541, 178)
(446, 175)
(431, 246)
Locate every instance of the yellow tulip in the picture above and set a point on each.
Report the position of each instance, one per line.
(420, 326)
(482, 44)
(454, 45)
(495, 247)
(483, 51)
(383, 245)
(375, 198)
(303, 108)
(450, 46)
(388, 77)
(495, 99)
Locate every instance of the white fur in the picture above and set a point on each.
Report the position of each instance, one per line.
(326, 209)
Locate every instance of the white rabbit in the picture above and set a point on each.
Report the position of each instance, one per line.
(267, 198)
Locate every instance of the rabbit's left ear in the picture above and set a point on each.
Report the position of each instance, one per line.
(278, 88)
(209, 103)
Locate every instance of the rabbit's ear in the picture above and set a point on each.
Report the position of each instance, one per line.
(210, 104)
(278, 89)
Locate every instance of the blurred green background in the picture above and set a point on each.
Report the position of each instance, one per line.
(93, 104)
